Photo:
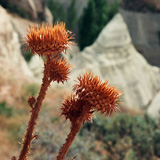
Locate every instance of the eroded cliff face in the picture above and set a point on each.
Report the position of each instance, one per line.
(145, 33)
(114, 57)
(154, 107)
(141, 5)
(12, 62)
(14, 71)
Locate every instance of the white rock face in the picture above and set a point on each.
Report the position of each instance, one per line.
(114, 58)
(12, 62)
(154, 107)
(36, 65)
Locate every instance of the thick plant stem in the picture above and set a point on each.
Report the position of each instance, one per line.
(35, 112)
(74, 130)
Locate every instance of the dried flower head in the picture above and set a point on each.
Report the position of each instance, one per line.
(59, 70)
(100, 95)
(48, 40)
(74, 108)
(90, 95)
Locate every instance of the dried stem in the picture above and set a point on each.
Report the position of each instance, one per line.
(74, 130)
(35, 112)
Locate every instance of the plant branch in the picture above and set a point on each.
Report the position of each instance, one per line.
(70, 138)
(35, 112)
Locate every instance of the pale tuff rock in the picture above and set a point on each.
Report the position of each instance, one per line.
(12, 63)
(20, 25)
(113, 57)
(36, 65)
(154, 108)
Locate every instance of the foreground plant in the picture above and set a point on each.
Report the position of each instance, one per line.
(49, 42)
(89, 95)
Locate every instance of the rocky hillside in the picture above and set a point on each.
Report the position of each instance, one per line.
(11, 60)
(14, 70)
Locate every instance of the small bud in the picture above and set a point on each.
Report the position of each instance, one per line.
(31, 101)
(14, 158)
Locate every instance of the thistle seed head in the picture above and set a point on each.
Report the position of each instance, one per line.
(90, 95)
(48, 40)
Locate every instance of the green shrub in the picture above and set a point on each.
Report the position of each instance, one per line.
(130, 155)
(95, 16)
(54, 119)
(57, 10)
(27, 56)
(128, 137)
(4, 110)
(59, 14)
(16, 131)
(71, 16)
(156, 143)
(30, 90)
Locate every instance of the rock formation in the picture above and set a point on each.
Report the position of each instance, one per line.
(145, 33)
(35, 9)
(154, 107)
(36, 65)
(12, 63)
(141, 5)
(142, 18)
(114, 57)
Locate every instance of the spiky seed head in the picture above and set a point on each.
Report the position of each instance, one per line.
(90, 95)
(100, 95)
(74, 108)
(48, 40)
(60, 70)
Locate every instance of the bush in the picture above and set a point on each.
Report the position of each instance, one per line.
(156, 143)
(27, 56)
(4, 110)
(57, 10)
(71, 16)
(97, 14)
(59, 14)
(127, 137)
(30, 90)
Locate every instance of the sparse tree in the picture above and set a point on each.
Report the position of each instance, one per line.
(87, 25)
(71, 16)
(94, 18)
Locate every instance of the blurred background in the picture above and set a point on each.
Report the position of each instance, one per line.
(118, 40)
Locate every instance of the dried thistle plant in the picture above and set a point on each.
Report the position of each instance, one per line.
(89, 95)
(47, 41)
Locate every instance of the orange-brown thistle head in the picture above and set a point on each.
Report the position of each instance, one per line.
(101, 96)
(59, 70)
(74, 108)
(90, 95)
(48, 40)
